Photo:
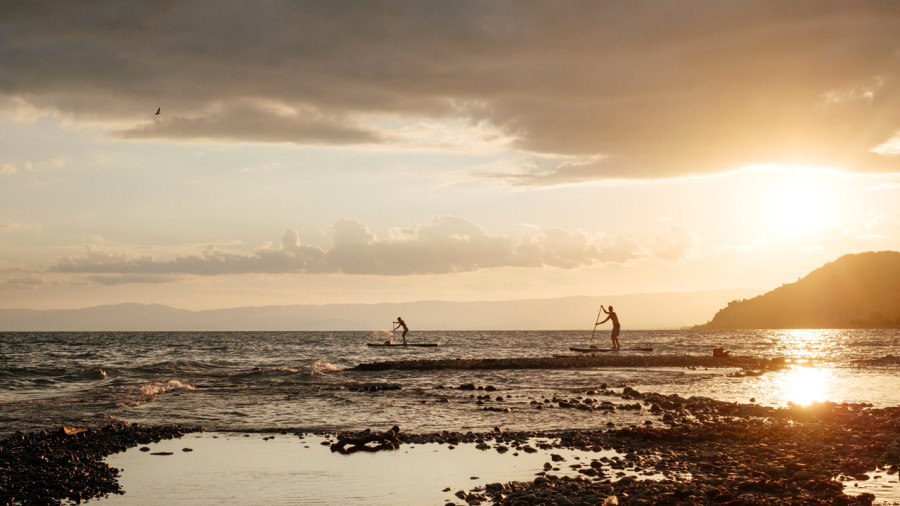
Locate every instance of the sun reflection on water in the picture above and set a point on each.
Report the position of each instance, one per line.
(805, 385)
(807, 343)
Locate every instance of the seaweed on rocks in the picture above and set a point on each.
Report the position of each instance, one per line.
(66, 464)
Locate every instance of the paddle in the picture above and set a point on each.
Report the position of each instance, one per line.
(596, 322)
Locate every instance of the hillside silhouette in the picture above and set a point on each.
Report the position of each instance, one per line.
(855, 291)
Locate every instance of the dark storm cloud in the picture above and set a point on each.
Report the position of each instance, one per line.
(640, 89)
(444, 245)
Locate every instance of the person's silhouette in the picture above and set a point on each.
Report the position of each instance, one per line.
(615, 330)
(401, 323)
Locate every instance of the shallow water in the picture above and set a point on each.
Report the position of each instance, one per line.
(271, 380)
(234, 468)
(248, 469)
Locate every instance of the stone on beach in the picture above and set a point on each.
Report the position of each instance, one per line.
(49, 467)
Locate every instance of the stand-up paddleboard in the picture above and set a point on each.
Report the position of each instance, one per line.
(393, 341)
(420, 345)
(590, 348)
(600, 350)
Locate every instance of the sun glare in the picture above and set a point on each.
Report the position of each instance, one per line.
(806, 343)
(800, 206)
(804, 385)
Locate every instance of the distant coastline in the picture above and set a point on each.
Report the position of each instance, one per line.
(855, 291)
(637, 311)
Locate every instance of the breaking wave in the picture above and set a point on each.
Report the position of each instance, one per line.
(135, 395)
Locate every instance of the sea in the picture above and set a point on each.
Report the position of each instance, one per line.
(281, 381)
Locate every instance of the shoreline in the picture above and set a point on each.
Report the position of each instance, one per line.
(733, 452)
(580, 361)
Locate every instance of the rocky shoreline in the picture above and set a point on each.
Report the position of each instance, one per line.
(710, 452)
(707, 452)
(579, 361)
(66, 465)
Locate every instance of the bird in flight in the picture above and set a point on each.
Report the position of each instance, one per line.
(158, 109)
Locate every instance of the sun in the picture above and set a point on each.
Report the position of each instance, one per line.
(800, 206)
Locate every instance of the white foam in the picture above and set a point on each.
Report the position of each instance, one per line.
(135, 395)
(320, 367)
(159, 387)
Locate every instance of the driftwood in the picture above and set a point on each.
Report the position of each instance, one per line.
(351, 444)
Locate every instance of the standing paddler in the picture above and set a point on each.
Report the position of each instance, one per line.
(615, 320)
(400, 323)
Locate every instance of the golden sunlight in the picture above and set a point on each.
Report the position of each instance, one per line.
(806, 343)
(804, 385)
(800, 206)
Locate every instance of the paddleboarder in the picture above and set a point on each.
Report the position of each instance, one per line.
(400, 323)
(615, 320)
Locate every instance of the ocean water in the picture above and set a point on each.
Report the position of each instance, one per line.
(302, 380)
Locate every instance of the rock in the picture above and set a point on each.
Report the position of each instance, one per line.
(60, 466)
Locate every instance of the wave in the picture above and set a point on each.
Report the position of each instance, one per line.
(137, 394)
(311, 368)
(95, 373)
(45, 376)
(27, 372)
(89, 374)
(50, 375)
(320, 367)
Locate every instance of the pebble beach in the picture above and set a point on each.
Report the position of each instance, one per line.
(609, 439)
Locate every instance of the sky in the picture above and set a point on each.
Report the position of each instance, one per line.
(368, 151)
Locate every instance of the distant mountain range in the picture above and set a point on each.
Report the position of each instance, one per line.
(641, 311)
(854, 291)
